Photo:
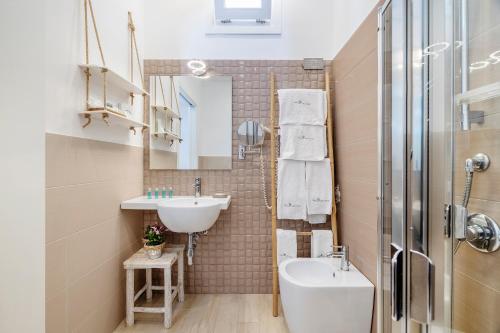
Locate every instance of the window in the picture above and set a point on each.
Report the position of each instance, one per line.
(243, 3)
(246, 17)
(229, 11)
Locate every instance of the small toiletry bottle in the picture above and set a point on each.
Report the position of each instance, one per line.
(149, 193)
(170, 192)
(163, 192)
(157, 193)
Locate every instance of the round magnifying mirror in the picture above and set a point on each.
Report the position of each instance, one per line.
(251, 133)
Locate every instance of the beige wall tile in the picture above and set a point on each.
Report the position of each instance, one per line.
(475, 306)
(87, 234)
(56, 315)
(355, 110)
(90, 248)
(56, 268)
(362, 42)
(235, 256)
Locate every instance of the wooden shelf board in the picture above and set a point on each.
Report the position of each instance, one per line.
(115, 79)
(167, 110)
(479, 94)
(113, 115)
(167, 134)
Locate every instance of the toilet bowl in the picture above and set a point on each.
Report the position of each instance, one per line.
(318, 297)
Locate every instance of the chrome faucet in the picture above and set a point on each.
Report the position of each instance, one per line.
(344, 260)
(197, 187)
(343, 254)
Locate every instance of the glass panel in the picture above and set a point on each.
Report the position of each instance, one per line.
(243, 3)
(476, 275)
(432, 96)
(417, 134)
(386, 163)
(393, 150)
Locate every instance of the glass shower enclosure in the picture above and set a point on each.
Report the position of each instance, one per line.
(439, 139)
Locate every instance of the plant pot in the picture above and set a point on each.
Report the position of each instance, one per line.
(154, 251)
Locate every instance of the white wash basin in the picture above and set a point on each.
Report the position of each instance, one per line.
(189, 214)
(183, 213)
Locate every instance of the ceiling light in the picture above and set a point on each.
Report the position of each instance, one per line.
(197, 65)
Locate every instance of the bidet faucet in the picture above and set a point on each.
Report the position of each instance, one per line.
(343, 254)
(197, 187)
(344, 260)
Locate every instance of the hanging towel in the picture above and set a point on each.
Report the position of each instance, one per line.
(286, 244)
(292, 199)
(303, 142)
(319, 187)
(316, 218)
(321, 243)
(302, 106)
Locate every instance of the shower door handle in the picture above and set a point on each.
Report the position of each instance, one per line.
(421, 287)
(396, 282)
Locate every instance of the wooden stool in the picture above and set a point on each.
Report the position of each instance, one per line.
(140, 260)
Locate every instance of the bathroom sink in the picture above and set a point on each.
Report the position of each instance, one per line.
(189, 214)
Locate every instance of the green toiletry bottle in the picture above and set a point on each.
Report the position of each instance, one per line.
(149, 193)
(170, 192)
(163, 192)
(157, 193)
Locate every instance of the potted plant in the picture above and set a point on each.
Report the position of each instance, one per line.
(154, 240)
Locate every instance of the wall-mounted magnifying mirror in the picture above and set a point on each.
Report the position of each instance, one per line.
(251, 136)
(251, 133)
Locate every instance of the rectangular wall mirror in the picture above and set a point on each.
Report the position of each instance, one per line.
(191, 122)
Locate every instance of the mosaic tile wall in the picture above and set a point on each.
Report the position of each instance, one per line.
(235, 255)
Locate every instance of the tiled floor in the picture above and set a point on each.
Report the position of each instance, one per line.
(222, 313)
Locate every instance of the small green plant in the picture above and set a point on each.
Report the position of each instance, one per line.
(154, 234)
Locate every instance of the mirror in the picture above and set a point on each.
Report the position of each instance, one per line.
(251, 133)
(191, 122)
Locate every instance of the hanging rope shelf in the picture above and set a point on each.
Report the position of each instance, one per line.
(168, 111)
(111, 79)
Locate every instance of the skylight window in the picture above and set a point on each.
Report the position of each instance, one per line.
(233, 11)
(243, 3)
(245, 17)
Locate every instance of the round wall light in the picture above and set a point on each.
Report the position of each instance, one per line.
(196, 65)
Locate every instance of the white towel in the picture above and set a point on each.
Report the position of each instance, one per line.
(316, 218)
(292, 198)
(303, 142)
(319, 187)
(302, 106)
(321, 243)
(286, 244)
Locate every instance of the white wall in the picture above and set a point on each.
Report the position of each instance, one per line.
(347, 16)
(22, 170)
(65, 90)
(312, 28)
(176, 30)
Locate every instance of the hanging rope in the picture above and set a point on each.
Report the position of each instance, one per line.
(162, 93)
(133, 46)
(96, 33)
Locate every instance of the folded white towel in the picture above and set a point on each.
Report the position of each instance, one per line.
(303, 142)
(302, 106)
(291, 194)
(286, 244)
(316, 218)
(319, 187)
(321, 243)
